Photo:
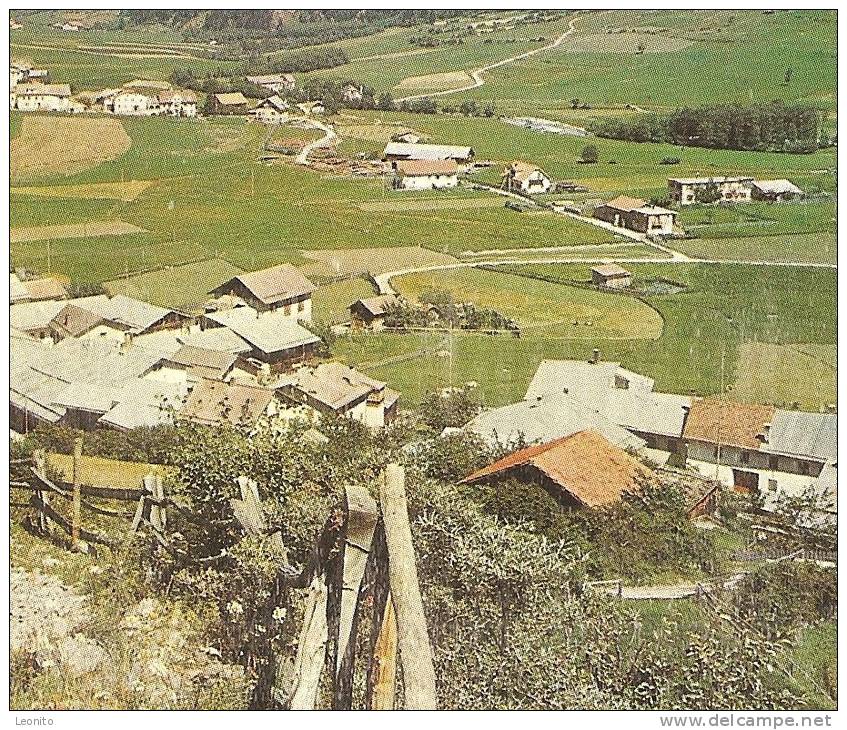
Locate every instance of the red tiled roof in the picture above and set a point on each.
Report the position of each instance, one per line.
(584, 464)
(726, 422)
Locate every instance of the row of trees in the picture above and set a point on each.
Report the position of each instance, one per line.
(439, 307)
(773, 127)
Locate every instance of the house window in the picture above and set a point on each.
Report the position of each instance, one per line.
(745, 457)
(804, 467)
(714, 452)
(773, 463)
(772, 485)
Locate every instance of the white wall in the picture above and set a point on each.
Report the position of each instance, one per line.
(42, 102)
(427, 182)
(132, 104)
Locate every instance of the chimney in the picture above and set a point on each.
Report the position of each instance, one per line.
(595, 356)
(765, 435)
(127, 342)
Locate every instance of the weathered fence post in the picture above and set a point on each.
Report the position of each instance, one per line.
(384, 659)
(77, 495)
(40, 466)
(311, 649)
(412, 635)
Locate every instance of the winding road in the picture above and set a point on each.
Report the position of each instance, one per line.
(477, 74)
(329, 137)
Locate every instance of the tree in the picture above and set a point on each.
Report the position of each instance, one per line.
(385, 102)
(711, 193)
(590, 155)
(452, 408)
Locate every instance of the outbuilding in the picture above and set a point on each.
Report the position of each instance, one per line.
(611, 276)
(776, 191)
(425, 174)
(637, 215)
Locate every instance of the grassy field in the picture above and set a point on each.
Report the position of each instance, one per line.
(558, 311)
(330, 301)
(808, 248)
(184, 287)
(723, 307)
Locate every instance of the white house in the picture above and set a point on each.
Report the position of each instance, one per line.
(177, 102)
(42, 97)
(684, 190)
(133, 102)
(425, 174)
(280, 288)
(272, 110)
(397, 151)
(526, 178)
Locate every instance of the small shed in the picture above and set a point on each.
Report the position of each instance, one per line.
(611, 276)
(775, 191)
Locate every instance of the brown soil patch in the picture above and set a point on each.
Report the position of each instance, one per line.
(55, 145)
(72, 230)
(447, 80)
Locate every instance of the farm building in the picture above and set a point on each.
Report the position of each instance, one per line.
(35, 290)
(685, 190)
(272, 110)
(33, 318)
(42, 97)
(407, 138)
(611, 276)
(177, 103)
(760, 449)
(425, 174)
(400, 151)
(312, 107)
(369, 313)
(336, 389)
(231, 103)
(274, 337)
(580, 470)
(132, 102)
(274, 82)
(282, 288)
(351, 92)
(637, 215)
(86, 384)
(213, 403)
(776, 191)
(192, 363)
(523, 177)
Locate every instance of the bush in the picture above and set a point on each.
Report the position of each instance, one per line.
(590, 155)
(670, 161)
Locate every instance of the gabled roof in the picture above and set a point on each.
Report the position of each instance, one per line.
(335, 385)
(377, 306)
(212, 402)
(584, 465)
(17, 291)
(726, 422)
(422, 168)
(211, 364)
(625, 203)
(612, 271)
(548, 418)
(777, 187)
(29, 316)
(46, 288)
(428, 151)
(521, 171)
(273, 101)
(74, 321)
(799, 433)
(269, 333)
(232, 99)
(61, 90)
(133, 314)
(584, 380)
(273, 285)
(719, 179)
(186, 96)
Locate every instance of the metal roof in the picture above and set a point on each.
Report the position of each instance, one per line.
(428, 151)
(587, 381)
(777, 186)
(271, 332)
(546, 419)
(272, 285)
(798, 433)
(28, 316)
(335, 385)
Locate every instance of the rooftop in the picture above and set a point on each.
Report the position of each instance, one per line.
(378, 305)
(726, 422)
(707, 180)
(584, 465)
(270, 332)
(777, 186)
(212, 402)
(421, 168)
(273, 285)
(232, 99)
(428, 151)
(335, 385)
(610, 270)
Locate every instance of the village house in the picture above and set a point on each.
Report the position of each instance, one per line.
(35, 290)
(369, 313)
(685, 190)
(274, 82)
(133, 102)
(229, 103)
(336, 389)
(312, 107)
(86, 384)
(759, 449)
(425, 175)
(400, 151)
(42, 97)
(637, 215)
(274, 337)
(775, 191)
(280, 288)
(177, 102)
(611, 276)
(523, 177)
(581, 470)
(191, 364)
(214, 403)
(272, 110)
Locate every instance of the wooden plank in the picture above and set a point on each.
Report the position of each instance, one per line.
(385, 662)
(77, 495)
(311, 650)
(412, 634)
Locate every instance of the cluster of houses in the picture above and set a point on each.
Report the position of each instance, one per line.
(590, 417)
(735, 189)
(117, 362)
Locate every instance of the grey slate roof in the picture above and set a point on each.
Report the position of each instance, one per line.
(583, 379)
(428, 151)
(28, 316)
(335, 385)
(269, 333)
(549, 418)
(272, 285)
